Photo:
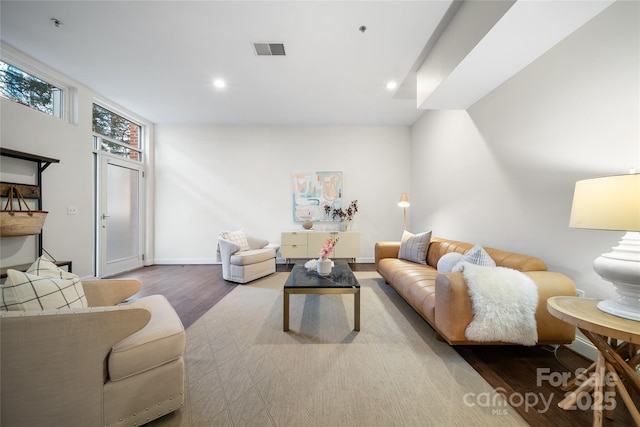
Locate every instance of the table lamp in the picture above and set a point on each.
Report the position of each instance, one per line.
(404, 204)
(613, 203)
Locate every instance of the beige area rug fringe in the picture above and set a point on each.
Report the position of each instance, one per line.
(243, 370)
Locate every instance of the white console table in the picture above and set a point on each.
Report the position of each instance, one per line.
(307, 244)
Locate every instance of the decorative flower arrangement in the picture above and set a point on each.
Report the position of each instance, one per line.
(343, 214)
(327, 248)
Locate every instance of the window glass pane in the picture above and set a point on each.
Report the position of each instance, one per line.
(113, 126)
(120, 150)
(122, 202)
(28, 90)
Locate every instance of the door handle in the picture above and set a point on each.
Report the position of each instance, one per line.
(105, 216)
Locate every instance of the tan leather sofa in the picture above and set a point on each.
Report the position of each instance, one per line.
(106, 365)
(444, 302)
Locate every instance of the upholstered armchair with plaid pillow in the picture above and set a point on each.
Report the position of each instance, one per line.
(246, 258)
(73, 354)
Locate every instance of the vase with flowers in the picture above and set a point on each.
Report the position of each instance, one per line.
(324, 263)
(344, 216)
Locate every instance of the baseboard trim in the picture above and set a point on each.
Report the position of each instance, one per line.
(584, 347)
(175, 261)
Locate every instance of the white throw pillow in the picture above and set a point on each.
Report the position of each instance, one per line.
(237, 237)
(448, 261)
(478, 256)
(414, 247)
(46, 268)
(28, 292)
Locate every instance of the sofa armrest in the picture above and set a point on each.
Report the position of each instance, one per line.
(54, 362)
(551, 284)
(227, 248)
(386, 250)
(454, 309)
(105, 292)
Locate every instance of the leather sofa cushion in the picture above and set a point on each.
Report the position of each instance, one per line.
(252, 256)
(439, 246)
(160, 341)
(415, 282)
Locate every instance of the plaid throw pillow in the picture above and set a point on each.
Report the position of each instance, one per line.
(413, 247)
(237, 237)
(46, 268)
(478, 256)
(28, 292)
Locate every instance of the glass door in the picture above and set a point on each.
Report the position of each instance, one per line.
(119, 222)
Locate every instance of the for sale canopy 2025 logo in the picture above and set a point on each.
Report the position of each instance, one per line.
(499, 400)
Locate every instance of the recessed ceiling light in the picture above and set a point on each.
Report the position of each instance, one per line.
(392, 85)
(219, 83)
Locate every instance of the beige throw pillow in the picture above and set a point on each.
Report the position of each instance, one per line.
(237, 237)
(46, 268)
(413, 247)
(28, 292)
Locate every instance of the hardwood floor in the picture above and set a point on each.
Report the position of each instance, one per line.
(191, 289)
(519, 373)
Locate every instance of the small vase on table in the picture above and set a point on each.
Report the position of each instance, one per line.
(324, 266)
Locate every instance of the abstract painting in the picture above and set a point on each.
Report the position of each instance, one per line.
(312, 191)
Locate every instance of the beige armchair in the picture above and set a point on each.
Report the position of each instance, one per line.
(99, 366)
(242, 266)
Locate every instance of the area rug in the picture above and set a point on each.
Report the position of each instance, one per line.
(243, 370)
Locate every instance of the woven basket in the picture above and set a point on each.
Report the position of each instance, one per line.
(19, 222)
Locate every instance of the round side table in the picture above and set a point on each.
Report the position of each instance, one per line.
(603, 330)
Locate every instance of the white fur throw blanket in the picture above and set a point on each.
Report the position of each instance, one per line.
(504, 304)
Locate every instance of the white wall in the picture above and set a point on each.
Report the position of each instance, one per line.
(215, 178)
(502, 174)
(68, 183)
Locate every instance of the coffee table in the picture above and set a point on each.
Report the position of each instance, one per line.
(340, 281)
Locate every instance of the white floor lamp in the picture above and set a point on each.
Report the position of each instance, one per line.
(404, 203)
(613, 203)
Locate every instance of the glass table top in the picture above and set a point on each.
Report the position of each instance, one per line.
(341, 277)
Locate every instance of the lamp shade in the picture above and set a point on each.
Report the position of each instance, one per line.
(404, 201)
(608, 203)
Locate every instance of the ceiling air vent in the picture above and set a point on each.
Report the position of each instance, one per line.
(269, 49)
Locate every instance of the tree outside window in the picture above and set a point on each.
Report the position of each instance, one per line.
(115, 134)
(29, 90)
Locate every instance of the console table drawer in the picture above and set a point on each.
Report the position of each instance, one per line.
(294, 251)
(307, 244)
(294, 238)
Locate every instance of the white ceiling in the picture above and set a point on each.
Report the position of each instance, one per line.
(159, 58)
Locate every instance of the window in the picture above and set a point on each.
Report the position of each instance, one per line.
(116, 135)
(29, 90)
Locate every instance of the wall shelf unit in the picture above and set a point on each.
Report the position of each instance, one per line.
(29, 191)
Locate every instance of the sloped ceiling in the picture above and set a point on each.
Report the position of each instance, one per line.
(159, 58)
